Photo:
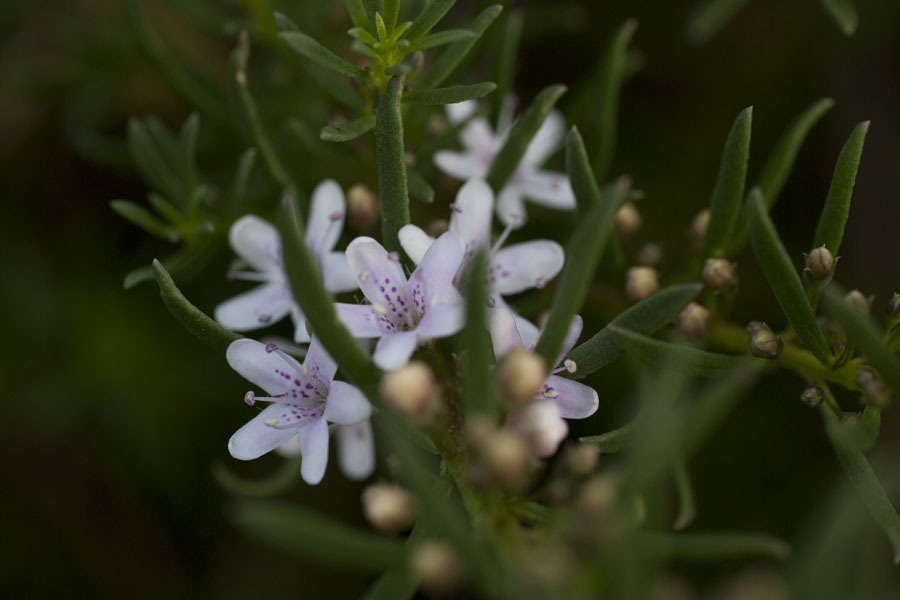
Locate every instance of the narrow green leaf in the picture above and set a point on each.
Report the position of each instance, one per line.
(308, 47)
(191, 318)
(646, 316)
(587, 243)
(581, 176)
(447, 62)
(450, 95)
(313, 536)
(864, 481)
(391, 11)
(711, 17)
(449, 36)
(505, 68)
(279, 481)
(391, 158)
(143, 218)
(396, 583)
(725, 204)
(357, 13)
(433, 12)
(843, 13)
(241, 180)
(830, 230)
(613, 441)
(687, 502)
(712, 546)
(865, 334)
(419, 188)
(187, 142)
(507, 160)
(151, 163)
(710, 406)
(691, 361)
(372, 7)
(380, 28)
(318, 305)
(165, 208)
(479, 391)
(344, 132)
(783, 278)
(400, 68)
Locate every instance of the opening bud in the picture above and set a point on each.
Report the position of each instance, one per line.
(436, 566)
(693, 320)
(388, 507)
(520, 377)
(819, 265)
(362, 207)
(764, 343)
(627, 220)
(719, 275)
(410, 391)
(698, 228)
(858, 301)
(641, 283)
(812, 396)
(650, 255)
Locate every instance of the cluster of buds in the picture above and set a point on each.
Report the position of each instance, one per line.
(641, 283)
(874, 390)
(411, 391)
(693, 320)
(764, 343)
(819, 266)
(502, 456)
(719, 275)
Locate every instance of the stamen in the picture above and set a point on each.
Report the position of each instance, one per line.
(265, 318)
(571, 365)
(247, 276)
(509, 228)
(271, 348)
(335, 216)
(304, 370)
(256, 398)
(379, 309)
(491, 303)
(249, 398)
(540, 283)
(394, 256)
(271, 422)
(456, 208)
(364, 276)
(550, 393)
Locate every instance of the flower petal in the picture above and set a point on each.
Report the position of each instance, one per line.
(504, 333)
(460, 111)
(301, 334)
(314, 448)
(477, 138)
(322, 232)
(274, 372)
(461, 165)
(441, 320)
(539, 424)
(415, 242)
(380, 278)
(511, 206)
(572, 335)
(256, 438)
(362, 320)
(471, 218)
(575, 400)
(346, 404)
(257, 242)
(290, 448)
(259, 307)
(337, 274)
(545, 142)
(356, 449)
(523, 266)
(394, 349)
(433, 278)
(318, 366)
(547, 189)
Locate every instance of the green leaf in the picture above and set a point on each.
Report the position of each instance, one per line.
(725, 204)
(646, 316)
(419, 188)
(711, 17)
(691, 361)
(396, 583)
(306, 46)
(710, 406)
(865, 334)
(505, 67)
(864, 481)
(447, 62)
(712, 546)
(783, 278)
(357, 13)
(191, 318)
(279, 481)
(507, 160)
(143, 218)
(187, 142)
(581, 177)
(587, 243)
(450, 95)
(165, 208)
(433, 12)
(830, 230)
(344, 132)
(315, 537)
(450, 36)
(371, 7)
(241, 179)
(380, 28)
(479, 390)
(613, 441)
(391, 11)
(152, 164)
(843, 13)
(687, 503)
(391, 159)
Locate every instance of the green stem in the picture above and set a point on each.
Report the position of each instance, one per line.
(391, 159)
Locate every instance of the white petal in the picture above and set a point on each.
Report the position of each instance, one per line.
(314, 448)
(346, 404)
(337, 274)
(321, 232)
(472, 217)
(460, 111)
(380, 278)
(547, 189)
(461, 165)
(256, 438)
(504, 334)
(362, 320)
(527, 330)
(257, 242)
(260, 307)
(318, 364)
(511, 206)
(546, 141)
(477, 137)
(356, 449)
(575, 400)
(433, 278)
(301, 334)
(272, 371)
(394, 349)
(442, 320)
(523, 266)
(572, 335)
(290, 448)
(415, 242)
(539, 424)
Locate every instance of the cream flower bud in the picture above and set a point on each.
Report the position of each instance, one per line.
(506, 458)
(650, 255)
(540, 427)
(858, 301)
(819, 265)
(362, 207)
(812, 395)
(388, 507)
(436, 566)
(410, 391)
(627, 220)
(582, 459)
(698, 228)
(719, 275)
(693, 320)
(764, 342)
(520, 377)
(641, 283)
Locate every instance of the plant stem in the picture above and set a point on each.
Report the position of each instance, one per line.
(391, 159)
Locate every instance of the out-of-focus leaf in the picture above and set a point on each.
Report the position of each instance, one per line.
(710, 17)
(151, 162)
(445, 64)
(419, 188)
(712, 546)
(343, 132)
(279, 481)
(357, 13)
(241, 179)
(396, 583)
(691, 361)
(612, 441)
(450, 95)
(391, 10)
(433, 12)
(687, 503)
(391, 158)
(308, 47)
(505, 68)
(187, 142)
(843, 13)
(479, 391)
(449, 36)
(581, 176)
(710, 406)
(143, 218)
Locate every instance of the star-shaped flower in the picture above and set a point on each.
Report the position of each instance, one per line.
(541, 423)
(480, 147)
(402, 313)
(302, 399)
(257, 242)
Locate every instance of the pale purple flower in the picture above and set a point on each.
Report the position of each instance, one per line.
(355, 449)
(302, 399)
(512, 269)
(541, 424)
(257, 242)
(403, 313)
(480, 147)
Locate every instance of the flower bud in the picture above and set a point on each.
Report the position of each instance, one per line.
(764, 342)
(858, 301)
(627, 220)
(506, 458)
(641, 283)
(362, 207)
(389, 508)
(812, 396)
(650, 255)
(819, 265)
(874, 390)
(436, 125)
(719, 275)
(698, 228)
(693, 320)
(435, 565)
(582, 459)
(597, 496)
(410, 391)
(540, 426)
(520, 377)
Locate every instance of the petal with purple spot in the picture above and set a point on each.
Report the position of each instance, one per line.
(275, 372)
(380, 278)
(575, 400)
(259, 307)
(524, 266)
(363, 320)
(256, 438)
(433, 278)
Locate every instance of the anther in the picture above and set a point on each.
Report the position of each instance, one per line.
(250, 398)
(540, 282)
(550, 393)
(364, 276)
(571, 366)
(379, 309)
(265, 318)
(336, 216)
(271, 422)
(456, 208)
(270, 348)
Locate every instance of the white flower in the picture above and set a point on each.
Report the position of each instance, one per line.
(513, 269)
(480, 147)
(402, 313)
(355, 449)
(257, 242)
(303, 400)
(541, 423)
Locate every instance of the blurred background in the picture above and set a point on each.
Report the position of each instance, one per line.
(115, 418)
